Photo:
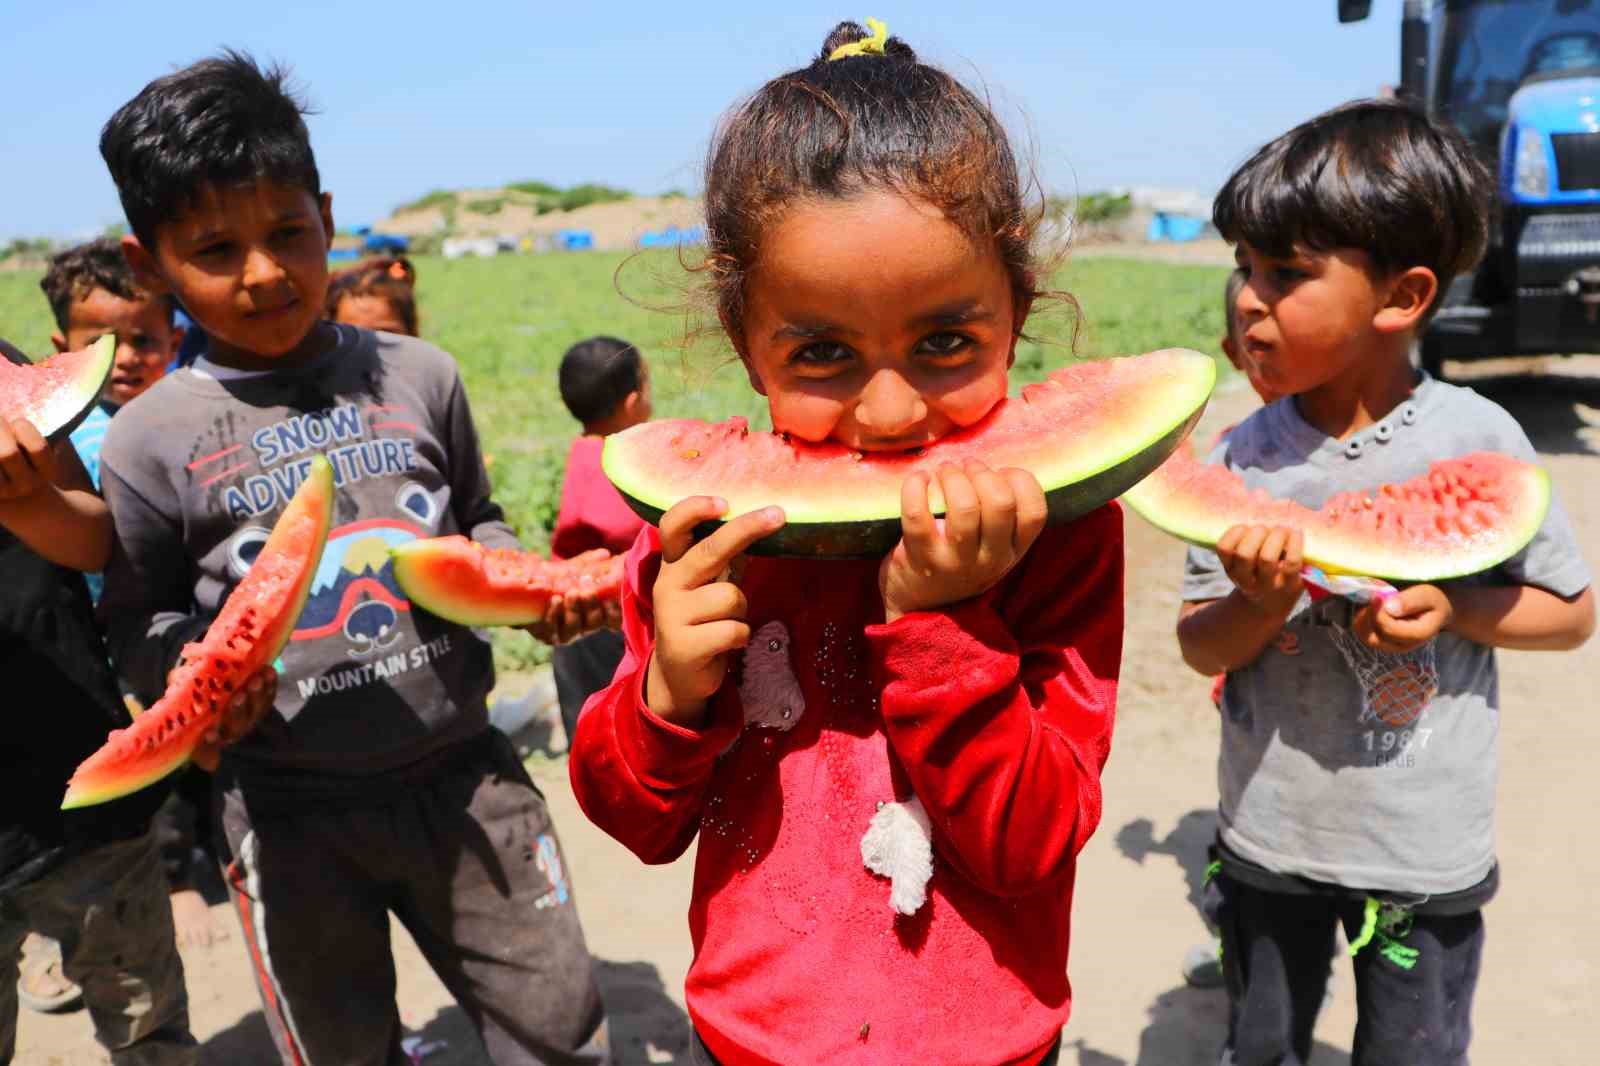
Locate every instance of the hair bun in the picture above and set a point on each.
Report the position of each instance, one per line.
(850, 32)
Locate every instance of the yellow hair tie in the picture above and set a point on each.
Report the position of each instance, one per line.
(867, 45)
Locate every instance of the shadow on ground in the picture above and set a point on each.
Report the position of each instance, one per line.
(647, 1028)
(1186, 1028)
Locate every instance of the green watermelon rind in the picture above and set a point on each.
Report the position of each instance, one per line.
(67, 407)
(1200, 522)
(109, 786)
(1112, 466)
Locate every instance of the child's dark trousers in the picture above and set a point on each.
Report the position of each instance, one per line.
(1415, 977)
(469, 862)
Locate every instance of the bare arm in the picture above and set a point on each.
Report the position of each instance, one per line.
(1522, 617)
(59, 515)
(1219, 636)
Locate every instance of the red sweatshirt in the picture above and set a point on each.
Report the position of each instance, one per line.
(996, 712)
(593, 514)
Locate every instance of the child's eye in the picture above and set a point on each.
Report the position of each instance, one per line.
(944, 344)
(287, 233)
(215, 250)
(1288, 273)
(822, 353)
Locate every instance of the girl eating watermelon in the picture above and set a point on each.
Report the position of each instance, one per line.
(891, 764)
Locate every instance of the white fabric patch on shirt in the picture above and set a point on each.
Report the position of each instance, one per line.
(899, 845)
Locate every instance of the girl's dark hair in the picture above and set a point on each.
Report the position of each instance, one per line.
(392, 279)
(596, 375)
(1375, 175)
(221, 121)
(83, 268)
(836, 128)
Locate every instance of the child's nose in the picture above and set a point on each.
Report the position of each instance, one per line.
(261, 269)
(1248, 304)
(889, 404)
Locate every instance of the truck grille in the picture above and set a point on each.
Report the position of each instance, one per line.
(1577, 160)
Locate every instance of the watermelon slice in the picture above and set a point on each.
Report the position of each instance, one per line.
(1463, 516)
(1088, 432)
(464, 582)
(57, 394)
(252, 629)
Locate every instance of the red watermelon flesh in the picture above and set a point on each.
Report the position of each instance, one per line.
(467, 583)
(57, 393)
(248, 634)
(1087, 432)
(1463, 516)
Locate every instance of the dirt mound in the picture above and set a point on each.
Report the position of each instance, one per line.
(509, 213)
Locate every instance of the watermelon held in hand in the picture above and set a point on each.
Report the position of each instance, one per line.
(464, 582)
(1462, 517)
(58, 393)
(248, 634)
(1088, 432)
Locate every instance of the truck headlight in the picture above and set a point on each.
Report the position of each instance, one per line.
(1531, 176)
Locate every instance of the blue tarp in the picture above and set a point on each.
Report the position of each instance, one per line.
(574, 240)
(672, 236)
(1165, 226)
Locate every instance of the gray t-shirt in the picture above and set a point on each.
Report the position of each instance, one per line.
(196, 473)
(1308, 786)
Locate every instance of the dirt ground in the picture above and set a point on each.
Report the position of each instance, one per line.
(1138, 877)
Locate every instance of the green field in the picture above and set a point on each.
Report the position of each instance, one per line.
(507, 321)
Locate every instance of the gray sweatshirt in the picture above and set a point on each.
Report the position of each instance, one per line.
(371, 688)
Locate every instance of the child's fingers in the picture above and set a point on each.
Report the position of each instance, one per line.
(713, 603)
(997, 511)
(1032, 509)
(719, 638)
(1294, 553)
(677, 525)
(1248, 553)
(35, 449)
(1269, 564)
(963, 517)
(917, 526)
(713, 557)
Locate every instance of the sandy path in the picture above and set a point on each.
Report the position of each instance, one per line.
(1137, 876)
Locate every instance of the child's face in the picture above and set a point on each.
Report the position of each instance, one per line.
(876, 323)
(147, 341)
(249, 263)
(1305, 320)
(370, 312)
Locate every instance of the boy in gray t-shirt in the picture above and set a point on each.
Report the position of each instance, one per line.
(1335, 808)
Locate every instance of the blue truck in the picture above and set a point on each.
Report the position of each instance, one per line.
(1521, 78)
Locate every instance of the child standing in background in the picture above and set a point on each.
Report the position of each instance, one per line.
(92, 292)
(605, 384)
(891, 765)
(380, 295)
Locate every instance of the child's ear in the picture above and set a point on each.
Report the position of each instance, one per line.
(177, 333)
(142, 262)
(1230, 350)
(1411, 293)
(59, 341)
(325, 209)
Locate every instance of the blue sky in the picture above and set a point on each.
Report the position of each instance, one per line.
(414, 96)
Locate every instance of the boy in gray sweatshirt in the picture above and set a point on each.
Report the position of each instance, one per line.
(375, 784)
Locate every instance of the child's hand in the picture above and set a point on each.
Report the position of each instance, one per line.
(243, 713)
(991, 519)
(570, 617)
(699, 611)
(1264, 565)
(1404, 621)
(27, 462)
